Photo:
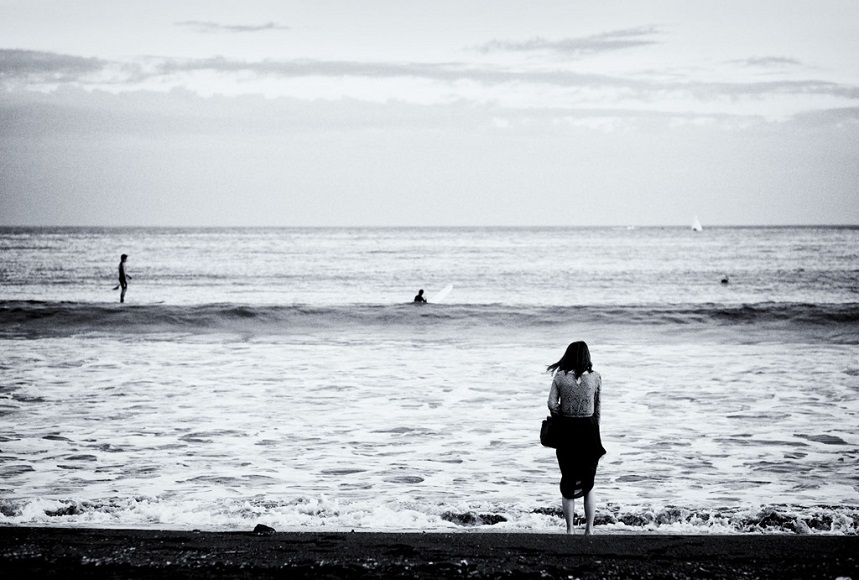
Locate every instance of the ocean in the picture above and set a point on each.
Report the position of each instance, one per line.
(284, 377)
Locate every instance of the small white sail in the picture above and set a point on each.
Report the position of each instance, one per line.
(696, 225)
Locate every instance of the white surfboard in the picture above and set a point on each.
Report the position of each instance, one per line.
(441, 294)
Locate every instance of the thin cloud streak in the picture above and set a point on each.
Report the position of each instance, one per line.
(584, 46)
(205, 27)
(769, 62)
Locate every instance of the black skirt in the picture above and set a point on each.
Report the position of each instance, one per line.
(578, 454)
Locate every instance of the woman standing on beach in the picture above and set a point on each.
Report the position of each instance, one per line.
(574, 401)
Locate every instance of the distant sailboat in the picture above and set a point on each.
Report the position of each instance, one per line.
(696, 225)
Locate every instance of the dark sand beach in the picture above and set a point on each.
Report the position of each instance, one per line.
(108, 553)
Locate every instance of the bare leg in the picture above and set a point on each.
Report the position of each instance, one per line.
(122, 294)
(569, 506)
(589, 512)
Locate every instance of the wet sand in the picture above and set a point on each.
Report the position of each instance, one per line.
(107, 553)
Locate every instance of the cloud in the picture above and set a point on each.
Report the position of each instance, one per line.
(310, 67)
(31, 67)
(588, 45)
(768, 62)
(23, 64)
(455, 72)
(809, 87)
(35, 69)
(215, 27)
(76, 112)
(35, 66)
(72, 111)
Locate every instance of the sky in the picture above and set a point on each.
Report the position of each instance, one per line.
(419, 113)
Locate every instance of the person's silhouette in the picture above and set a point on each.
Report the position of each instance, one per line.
(123, 282)
(420, 297)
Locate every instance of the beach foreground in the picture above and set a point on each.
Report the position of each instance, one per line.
(109, 553)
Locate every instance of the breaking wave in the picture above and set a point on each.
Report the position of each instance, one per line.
(33, 318)
(306, 513)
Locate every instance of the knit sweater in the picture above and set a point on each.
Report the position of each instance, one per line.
(571, 397)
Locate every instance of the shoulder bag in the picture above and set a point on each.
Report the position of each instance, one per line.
(549, 432)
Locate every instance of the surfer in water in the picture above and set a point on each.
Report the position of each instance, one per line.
(420, 297)
(123, 283)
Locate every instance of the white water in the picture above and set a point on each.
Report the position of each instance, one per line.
(380, 432)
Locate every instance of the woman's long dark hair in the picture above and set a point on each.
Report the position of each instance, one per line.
(576, 359)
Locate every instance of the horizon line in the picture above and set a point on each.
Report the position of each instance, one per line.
(459, 226)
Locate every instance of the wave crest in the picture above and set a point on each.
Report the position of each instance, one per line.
(34, 319)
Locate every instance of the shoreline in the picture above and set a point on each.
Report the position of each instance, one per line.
(36, 552)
